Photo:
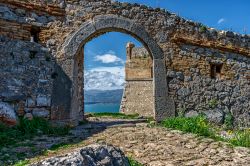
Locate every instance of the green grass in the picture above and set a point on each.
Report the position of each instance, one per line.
(240, 138)
(27, 129)
(132, 162)
(55, 147)
(116, 115)
(197, 125)
(22, 163)
(200, 126)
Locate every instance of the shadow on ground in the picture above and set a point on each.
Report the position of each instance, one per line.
(44, 144)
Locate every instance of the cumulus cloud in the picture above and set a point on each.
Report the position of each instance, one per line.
(104, 78)
(221, 20)
(109, 57)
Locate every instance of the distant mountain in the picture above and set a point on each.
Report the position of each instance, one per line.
(100, 96)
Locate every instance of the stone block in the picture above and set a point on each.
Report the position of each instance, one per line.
(40, 112)
(28, 116)
(20, 110)
(111, 21)
(43, 101)
(216, 116)
(30, 103)
(164, 108)
(75, 41)
(191, 113)
(7, 114)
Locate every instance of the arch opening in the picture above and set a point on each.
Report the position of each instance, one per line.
(73, 49)
(115, 65)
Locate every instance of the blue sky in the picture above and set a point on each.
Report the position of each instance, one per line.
(99, 51)
(105, 55)
(104, 60)
(235, 14)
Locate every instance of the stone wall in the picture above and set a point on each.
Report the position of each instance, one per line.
(195, 91)
(138, 64)
(138, 91)
(138, 98)
(21, 20)
(26, 74)
(208, 70)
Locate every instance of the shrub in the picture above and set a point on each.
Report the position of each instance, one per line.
(203, 28)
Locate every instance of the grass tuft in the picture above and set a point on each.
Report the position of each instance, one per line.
(240, 138)
(27, 129)
(197, 125)
(133, 162)
(22, 163)
(200, 126)
(59, 146)
(116, 115)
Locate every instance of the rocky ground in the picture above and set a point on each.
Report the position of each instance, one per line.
(92, 155)
(149, 145)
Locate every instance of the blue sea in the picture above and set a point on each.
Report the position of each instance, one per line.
(102, 107)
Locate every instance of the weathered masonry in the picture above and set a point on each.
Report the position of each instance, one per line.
(138, 91)
(195, 69)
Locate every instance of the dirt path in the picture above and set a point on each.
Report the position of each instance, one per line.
(159, 146)
(152, 146)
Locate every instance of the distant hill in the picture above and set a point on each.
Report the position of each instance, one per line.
(99, 96)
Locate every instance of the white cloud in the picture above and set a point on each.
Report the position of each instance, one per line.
(221, 20)
(104, 78)
(109, 57)
(119, 70)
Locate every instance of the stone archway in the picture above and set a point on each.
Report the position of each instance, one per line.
(71, 61)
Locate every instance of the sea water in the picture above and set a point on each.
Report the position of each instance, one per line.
(102, 107)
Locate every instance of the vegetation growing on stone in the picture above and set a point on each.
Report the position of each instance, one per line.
(203, 28)
(228, 122)
(213, 103)
(133, 162)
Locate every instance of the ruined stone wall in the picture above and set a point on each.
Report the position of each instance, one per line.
(138, 98)
(27, 68)
(21, 20)
(195, 91)
(190, 49)
(138, 91)
(26, 82)
(139, 64)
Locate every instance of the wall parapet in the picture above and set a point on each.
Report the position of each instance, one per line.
(210, 44)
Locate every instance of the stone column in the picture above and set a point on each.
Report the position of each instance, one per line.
(129, 49)
(77, 89)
